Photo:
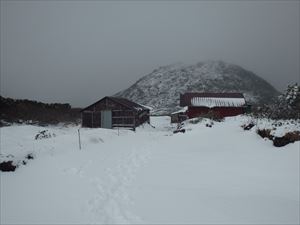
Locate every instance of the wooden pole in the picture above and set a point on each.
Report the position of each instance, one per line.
(79, 139)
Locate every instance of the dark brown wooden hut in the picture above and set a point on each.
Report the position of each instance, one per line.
(111, 112)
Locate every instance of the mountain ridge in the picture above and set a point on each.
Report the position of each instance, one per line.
(161, 88)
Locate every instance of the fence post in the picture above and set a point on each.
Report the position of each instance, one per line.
(79, 139)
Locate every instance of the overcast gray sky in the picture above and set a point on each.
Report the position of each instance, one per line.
(79, 51)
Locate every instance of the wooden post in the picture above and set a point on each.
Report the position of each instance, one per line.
(79, 139)
(92, 118)
(81, 118)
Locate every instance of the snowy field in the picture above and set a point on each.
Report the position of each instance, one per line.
(221, 174)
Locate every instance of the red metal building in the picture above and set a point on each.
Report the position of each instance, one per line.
(216, 104)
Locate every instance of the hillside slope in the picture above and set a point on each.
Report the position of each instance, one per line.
(161, 88)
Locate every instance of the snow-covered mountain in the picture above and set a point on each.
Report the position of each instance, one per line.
(161, 88)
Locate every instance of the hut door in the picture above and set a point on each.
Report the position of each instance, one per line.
(106, 119)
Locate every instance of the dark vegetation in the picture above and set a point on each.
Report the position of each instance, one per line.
(33, 112)
(179, 128)
(10, 164)
(7, 166)
(179, 131)
(265, 133)
(209, 124)
(195, 120)
(248, 126)
(44, 134)
(286, 106)
(289, 137)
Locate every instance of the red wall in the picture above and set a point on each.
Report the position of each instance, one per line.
(218, 111)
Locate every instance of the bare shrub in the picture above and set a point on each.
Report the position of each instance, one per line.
(265, 133)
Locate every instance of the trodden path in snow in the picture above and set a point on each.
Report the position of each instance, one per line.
(218, 175)
(66, 185)
(112, 203)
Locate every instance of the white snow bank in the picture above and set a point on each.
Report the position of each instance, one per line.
(278, 127)
(221, 174)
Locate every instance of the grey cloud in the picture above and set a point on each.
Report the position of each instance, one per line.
(78, 51)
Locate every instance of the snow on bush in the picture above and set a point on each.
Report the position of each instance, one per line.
(280, 132)
(287, 105)
(248, 126)
(10, 163)
(44, 134)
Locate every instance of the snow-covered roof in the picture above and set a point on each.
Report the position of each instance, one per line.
(217, 102)
(186, 98)
(147, 107)
(122, 101)
(182, 110)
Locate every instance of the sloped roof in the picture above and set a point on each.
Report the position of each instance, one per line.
(128, 103)
(212, 99)
(182, 110)
(123, 101)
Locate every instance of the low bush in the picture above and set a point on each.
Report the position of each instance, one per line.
(9, 163)
(8, 166)
(179, 131)
(265, 133)
(44, 134)
(195, 120)
(29, 156)
(210, 124)
(288, 138)
(248, 126)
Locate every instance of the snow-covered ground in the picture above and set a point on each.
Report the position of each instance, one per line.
(221, 174)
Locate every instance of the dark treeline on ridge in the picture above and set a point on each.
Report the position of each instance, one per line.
(33, 112)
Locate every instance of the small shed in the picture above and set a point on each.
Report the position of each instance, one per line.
(110, 112)
(179, 116)
(213, 104)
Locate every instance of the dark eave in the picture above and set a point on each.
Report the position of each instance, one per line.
(122, 101)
